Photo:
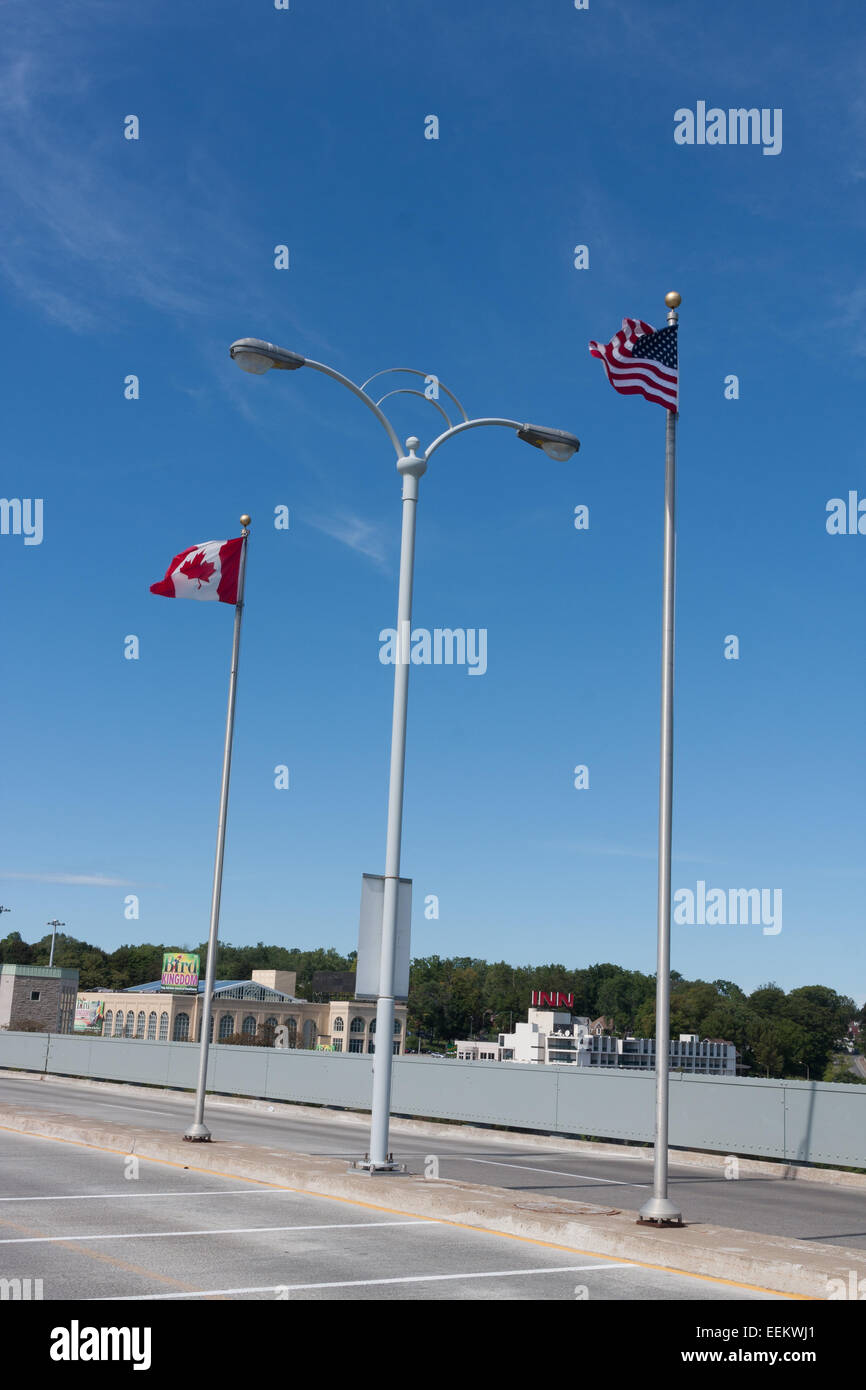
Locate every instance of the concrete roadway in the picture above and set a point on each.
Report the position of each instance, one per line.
(772, 1206)
(91, 1227)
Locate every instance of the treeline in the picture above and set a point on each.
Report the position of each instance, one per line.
(779, 1034)
(136, 965)
(776, 1034)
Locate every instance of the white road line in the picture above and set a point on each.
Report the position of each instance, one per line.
(557, 1173)
(362, 1283)
(178, 1192)
(421, 1222)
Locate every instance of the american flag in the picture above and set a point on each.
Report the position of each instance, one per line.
(642, 362)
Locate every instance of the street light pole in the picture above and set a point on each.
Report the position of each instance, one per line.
(412, 468)
(53, 925)
(255, 355)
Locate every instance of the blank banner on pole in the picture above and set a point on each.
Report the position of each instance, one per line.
(370, 937)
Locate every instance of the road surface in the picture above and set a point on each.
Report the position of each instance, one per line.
(94, 1225)
(772, 1206)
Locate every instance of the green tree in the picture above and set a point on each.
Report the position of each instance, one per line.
(691, 1002)
(728, 990)
(823, 1015)
(14, 951)
(768, 1000)
(778, 1047)
(621, 997)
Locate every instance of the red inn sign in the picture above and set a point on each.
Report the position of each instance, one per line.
(552, 999)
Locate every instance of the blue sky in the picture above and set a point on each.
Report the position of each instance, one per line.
(306, 128)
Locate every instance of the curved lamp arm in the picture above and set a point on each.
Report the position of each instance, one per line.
(469, 425)
(407, 391)
(362, 395)
(413, 371)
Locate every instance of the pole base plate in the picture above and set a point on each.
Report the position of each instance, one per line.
(366, 1165)
(197, 1134)
(659, 1211)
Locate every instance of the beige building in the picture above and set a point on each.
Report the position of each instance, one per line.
(258, 1008)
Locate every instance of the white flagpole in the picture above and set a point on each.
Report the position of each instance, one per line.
(659, 1208)
(198, 1130)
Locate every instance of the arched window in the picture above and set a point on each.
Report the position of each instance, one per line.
(372, 1025)
(210, 1029)
(271, 1022)
(338, 1025)
(139, 1025)
(106, 1029)
(151, 1025)
(396, 1027)
(163, 1027)
(357, 1025)
(310, 1033)
(130, 1024)
(118, 1024)
(227, 1025)
(181, 1028)
(291, 1032)
(249, 1026)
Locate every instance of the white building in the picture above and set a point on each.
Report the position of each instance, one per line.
(553, 1036)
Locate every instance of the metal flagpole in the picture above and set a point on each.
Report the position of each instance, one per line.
(198, 1130)
(659, 1207)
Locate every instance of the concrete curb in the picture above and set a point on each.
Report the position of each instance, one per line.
(771, 1263)
(689, 1158)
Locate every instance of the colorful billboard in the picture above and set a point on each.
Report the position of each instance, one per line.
(179, 972)
(89, 1016)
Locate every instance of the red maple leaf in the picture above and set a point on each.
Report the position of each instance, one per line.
(197, 567)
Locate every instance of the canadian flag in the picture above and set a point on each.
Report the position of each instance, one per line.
(205, 571)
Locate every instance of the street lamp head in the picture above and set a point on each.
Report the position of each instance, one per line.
(557, 444)
(257, 356)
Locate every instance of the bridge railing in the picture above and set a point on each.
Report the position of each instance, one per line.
(796, 1121)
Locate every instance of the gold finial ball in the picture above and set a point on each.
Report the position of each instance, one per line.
(673, 300)
(245, 520)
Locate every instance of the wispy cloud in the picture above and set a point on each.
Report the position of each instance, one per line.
(91, 228)
(365, 537)
(73, 880)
